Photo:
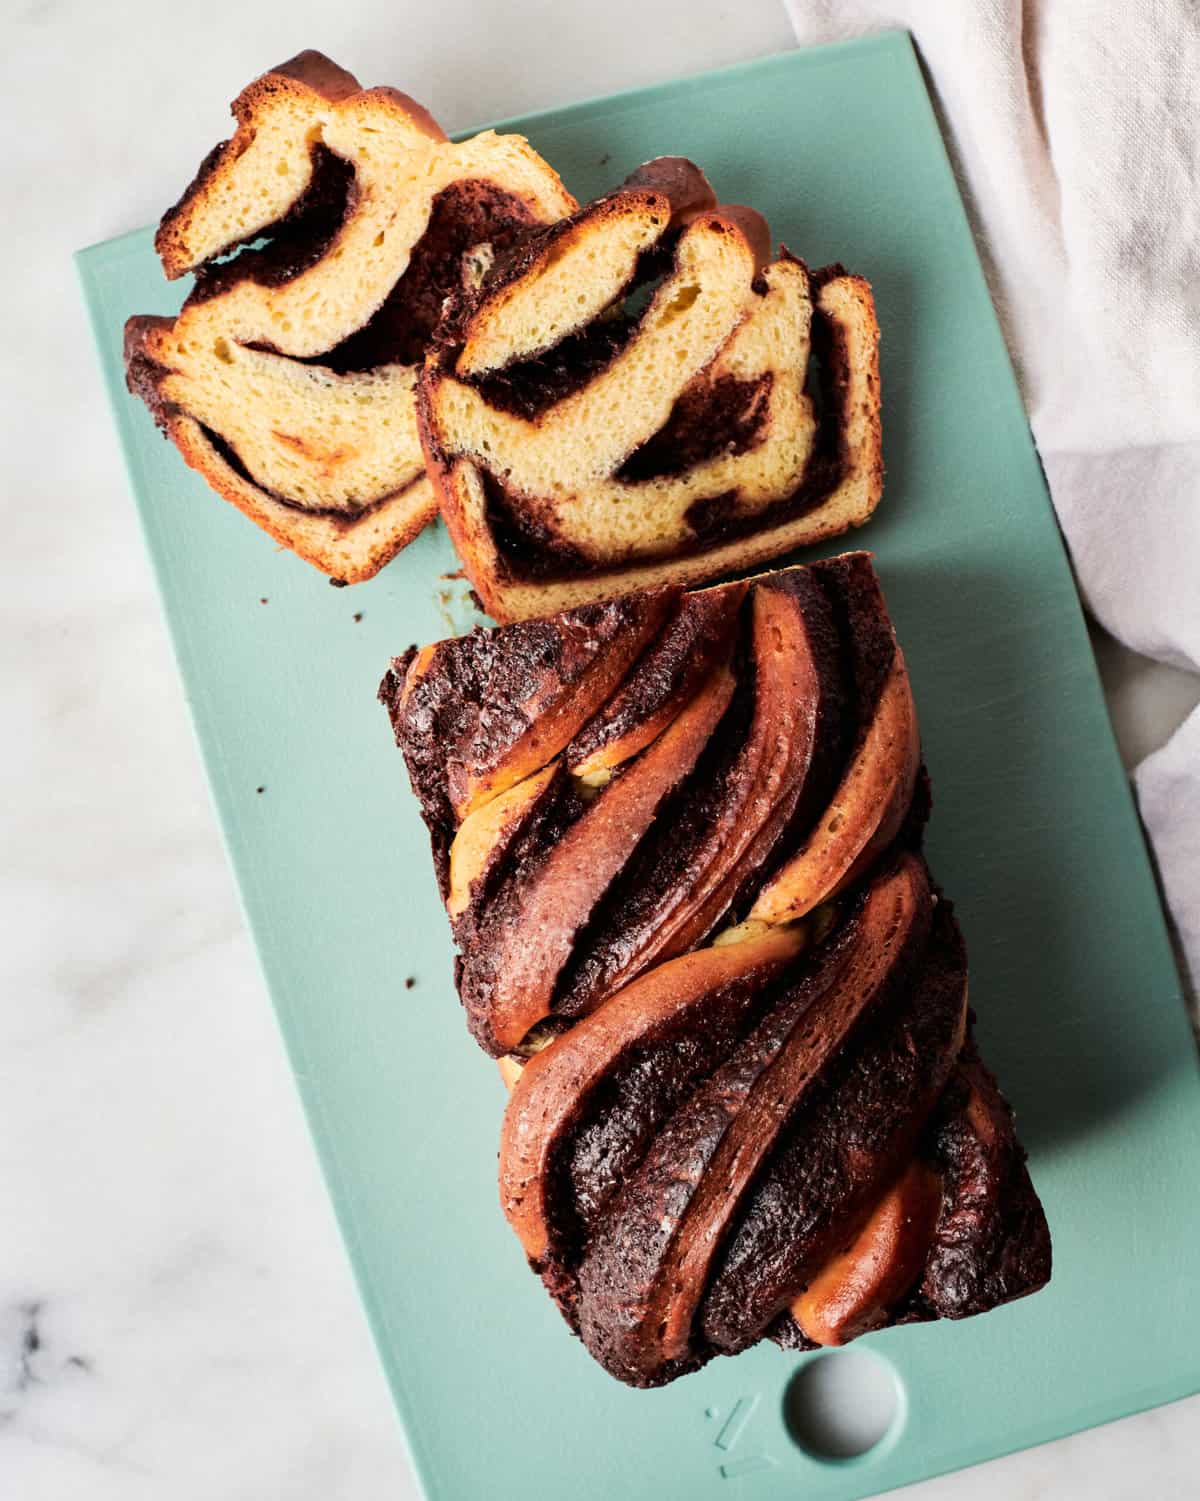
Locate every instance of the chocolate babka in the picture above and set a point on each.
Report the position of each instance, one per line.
(288, 379)
(678, 837)
(638, 394)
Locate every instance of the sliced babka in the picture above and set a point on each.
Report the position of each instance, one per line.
(678, 838)
(325, 237)
(639, 395)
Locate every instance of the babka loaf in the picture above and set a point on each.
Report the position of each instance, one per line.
(678, 837)
(624, 399)
(288, 379)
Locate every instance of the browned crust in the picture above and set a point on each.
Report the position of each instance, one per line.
(441, 476)
(460, 707)
(835, 353)
(509, 974)
(679, 179)
(308, 73)
(677, 1202)
(748, 223)
(550, 1091)
(315, 72)
(325, 541)
(857, 1288)
(332, 543)
(143, 374)
(645, 1273)
(698, 633)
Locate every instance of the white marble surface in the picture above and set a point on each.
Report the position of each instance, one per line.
(176, 1315)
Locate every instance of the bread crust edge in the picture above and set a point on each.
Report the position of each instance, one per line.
(307, 73)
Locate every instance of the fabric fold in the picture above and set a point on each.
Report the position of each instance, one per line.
(1072, 129)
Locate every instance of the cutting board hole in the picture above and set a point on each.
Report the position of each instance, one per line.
(843, 1405)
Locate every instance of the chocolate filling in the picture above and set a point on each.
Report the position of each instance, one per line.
(844, 1144)
(700, 632)
(293, 243)
(529, 548)
(725, 417)
(479, 934)
(854, 650)
(681, 846)
(482, 692)
(529, 386)
(663, 860)
(992, 1242)
(143, 376)
(624, 1113)
(710, 417)
(622, 1272)
(463, 214)
(866, 649)
(860, 617)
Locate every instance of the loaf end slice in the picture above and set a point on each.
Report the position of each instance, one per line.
(324, 237)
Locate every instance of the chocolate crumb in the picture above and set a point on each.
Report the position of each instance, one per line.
(357, 616)
(260, 789)
(263, 600)
(337, 583)
(409, 982)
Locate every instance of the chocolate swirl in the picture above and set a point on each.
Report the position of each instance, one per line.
(678, 836)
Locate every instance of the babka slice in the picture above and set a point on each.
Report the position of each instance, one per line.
(678, 839)
(625, 399)
(325, 236)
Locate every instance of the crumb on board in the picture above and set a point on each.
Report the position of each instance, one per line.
(337, 583)
(409, 982)
(358, 615)
(260, 790)
(263, 600)
(606, 158)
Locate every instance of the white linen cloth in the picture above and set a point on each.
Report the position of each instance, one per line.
(1074, 126)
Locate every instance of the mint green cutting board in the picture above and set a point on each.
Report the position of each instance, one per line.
(1034, 834)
